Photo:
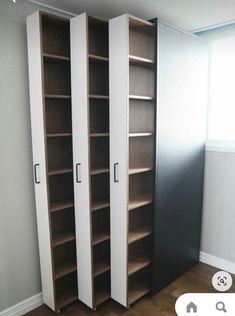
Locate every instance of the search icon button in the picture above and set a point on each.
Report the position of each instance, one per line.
(220, 306)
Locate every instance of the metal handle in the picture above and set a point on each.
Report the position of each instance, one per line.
(36, 177)
(116, 172)
(78, 173)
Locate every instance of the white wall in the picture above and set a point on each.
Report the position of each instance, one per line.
(218, 225)
(19, 261)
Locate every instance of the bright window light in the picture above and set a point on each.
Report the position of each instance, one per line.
(221, 115)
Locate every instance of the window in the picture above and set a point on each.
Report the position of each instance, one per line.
(221, 112)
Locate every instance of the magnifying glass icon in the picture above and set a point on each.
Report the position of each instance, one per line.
(220, 306)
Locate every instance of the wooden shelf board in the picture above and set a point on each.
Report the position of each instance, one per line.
(61, 170)
(144, 134)
(99, 170)
(57, 96)
(139, 264)
(98, 58)
(62, 238)
(140, 201)
(100, 237)
(97, 205)
(101, 296)
(140, 60)
(61, 205)
(138, 235)
(55, 57)
(59, 135)
(98, 96)
(99, 134)
(100, 268)
(65, 298)
(134, 170)
(64, 269)
(136, 292)
(140, 97)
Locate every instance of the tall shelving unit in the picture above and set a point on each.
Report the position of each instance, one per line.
(90, 112)
(132, 143)
(50, 101)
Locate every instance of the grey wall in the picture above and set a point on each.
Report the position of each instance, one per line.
(219, 206)
(19, 261)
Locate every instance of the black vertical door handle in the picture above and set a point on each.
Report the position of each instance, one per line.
(36, 176)
(116, 172)
(78, 173)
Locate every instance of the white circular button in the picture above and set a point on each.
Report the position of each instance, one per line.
(222, 281)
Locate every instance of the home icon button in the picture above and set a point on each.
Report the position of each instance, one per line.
(191, 308)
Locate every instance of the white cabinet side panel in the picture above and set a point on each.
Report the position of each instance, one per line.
(119, 83)
(80, 116)
(38, 144)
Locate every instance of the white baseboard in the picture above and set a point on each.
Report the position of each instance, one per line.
(24, 306)
(217, 262)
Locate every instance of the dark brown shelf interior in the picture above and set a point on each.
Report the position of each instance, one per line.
(141, 81)
(141, 152)
(62, 238)
(99, 116)
(55, 35)
(57, 78)
(58, 116)
(101, 289)
(100, 268)
(141, 156)
(99, 156)
(141, 115)
(139, 255)
(139, 285)
(59, 151)
(66, 297)
(141, 40)
(100, 226)
(101, 259)
(61, 205)
(64, 269)
(137, 291)
(66, 290)
(98, 37)
(99, 153)
(58, 127)
(98, 78)
(65, 259)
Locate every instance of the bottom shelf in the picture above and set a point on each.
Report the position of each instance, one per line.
(101, 296)
(137, 291)
(66, 297)
(102, 289)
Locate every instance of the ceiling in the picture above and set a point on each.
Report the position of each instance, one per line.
(187, 14)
